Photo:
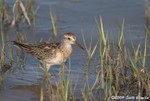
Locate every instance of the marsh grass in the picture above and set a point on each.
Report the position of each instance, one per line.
(53, 22)
(147, 16)
(116, 68)
(2, 53)
(4, 67)
(120, 68)
(89, 49)
(20, 12)
(147, 9)
(121, 71)
(32, 8)
(16, 13)
(61, 90)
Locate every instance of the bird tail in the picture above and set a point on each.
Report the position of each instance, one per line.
(20, 45)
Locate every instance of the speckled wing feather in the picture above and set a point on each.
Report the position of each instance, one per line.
(40, 51)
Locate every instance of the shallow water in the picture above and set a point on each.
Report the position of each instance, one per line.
(73, 16)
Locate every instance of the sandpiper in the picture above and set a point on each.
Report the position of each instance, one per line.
(51, 53)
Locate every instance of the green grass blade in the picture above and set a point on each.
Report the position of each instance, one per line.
(121, 34)
(101, 30)
(144, 57)
(53, 22)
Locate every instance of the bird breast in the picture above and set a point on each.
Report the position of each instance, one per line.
(60, 56)
(66, 52)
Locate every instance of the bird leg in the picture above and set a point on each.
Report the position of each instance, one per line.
(62, 69)
(45, 67)
(47, 74)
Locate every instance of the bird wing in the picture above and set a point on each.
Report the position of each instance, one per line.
(40, 51)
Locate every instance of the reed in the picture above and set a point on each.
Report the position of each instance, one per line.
(33, 10)
(2, 34)
(41, 95)
(114, 67)
(53, 22)
(89, 50)
(147, 9)
(2, 51)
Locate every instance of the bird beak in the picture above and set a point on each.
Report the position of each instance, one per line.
(76, 43)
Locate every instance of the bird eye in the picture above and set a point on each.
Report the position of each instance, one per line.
(69, 38)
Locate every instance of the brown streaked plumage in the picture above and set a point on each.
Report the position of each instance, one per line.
(51, 53)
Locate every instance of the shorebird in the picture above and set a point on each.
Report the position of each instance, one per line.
(51, 53)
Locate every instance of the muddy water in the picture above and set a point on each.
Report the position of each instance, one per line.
(72, 16)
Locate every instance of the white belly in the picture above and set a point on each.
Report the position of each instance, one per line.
(58, 60)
